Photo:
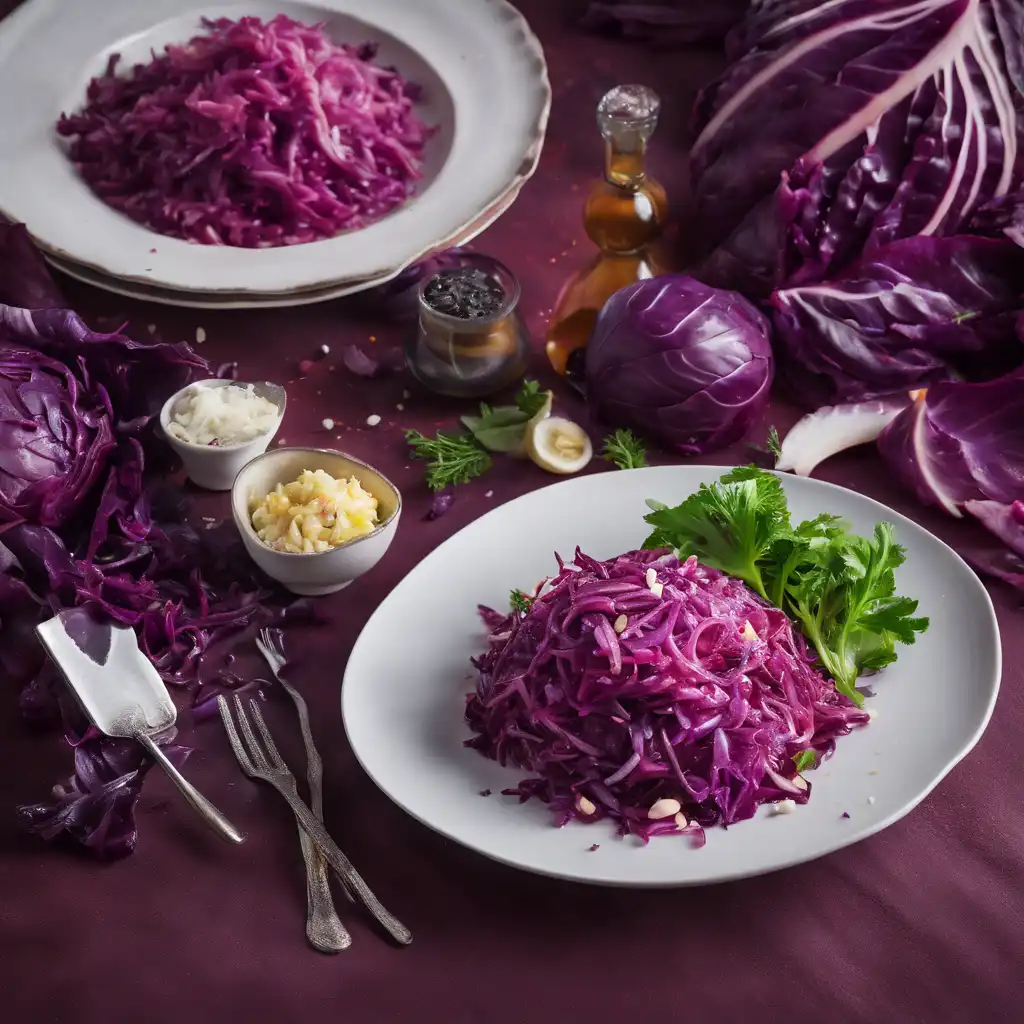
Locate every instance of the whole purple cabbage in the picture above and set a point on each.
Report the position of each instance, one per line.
(255, 134)
(688, 365)
(55, 438)
(703, 698)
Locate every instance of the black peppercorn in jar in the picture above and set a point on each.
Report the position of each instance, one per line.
(469, 341)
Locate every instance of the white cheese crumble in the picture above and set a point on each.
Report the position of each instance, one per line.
(222, 417)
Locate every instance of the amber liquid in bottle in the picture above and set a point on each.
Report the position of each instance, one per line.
(624, 215)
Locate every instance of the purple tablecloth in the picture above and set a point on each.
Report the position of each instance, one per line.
(920, 923)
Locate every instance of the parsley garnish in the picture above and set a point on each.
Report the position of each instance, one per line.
(625, 450)
(450, 458)
(531, 399)
(839, 587)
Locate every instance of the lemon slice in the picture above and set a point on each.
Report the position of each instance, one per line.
(558, 445)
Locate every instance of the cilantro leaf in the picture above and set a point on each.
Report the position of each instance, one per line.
(450, 458)
(805, 759)
(519, 602)
(625, 450)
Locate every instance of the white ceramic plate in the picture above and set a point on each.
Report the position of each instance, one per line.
(403, 694)
(485, 86)
(243, 300)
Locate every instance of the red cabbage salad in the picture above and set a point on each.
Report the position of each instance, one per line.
(684, 685)
(254, 134)
(88, 518)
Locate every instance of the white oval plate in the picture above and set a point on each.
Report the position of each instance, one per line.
(246, 300)
(485, 86)
(403, 694)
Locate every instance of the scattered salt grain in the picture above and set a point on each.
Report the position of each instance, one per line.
(325, 349)
(151, 328)
(400, 407)
(200, 335)
(871, 799)
(372, 421)
(489, 494)
(328, 423)
(405, 394)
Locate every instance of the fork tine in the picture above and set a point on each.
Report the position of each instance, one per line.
(233, 737)
(275, 757)
(255, 749)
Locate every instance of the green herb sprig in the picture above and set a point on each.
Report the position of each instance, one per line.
(451, 458)
(838, 586)
(625, 450)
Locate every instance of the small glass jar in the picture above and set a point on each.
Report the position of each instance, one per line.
(469, 358)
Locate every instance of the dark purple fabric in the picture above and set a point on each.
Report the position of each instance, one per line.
(922, 924)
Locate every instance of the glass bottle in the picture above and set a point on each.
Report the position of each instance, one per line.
(624, 215)
(469, 358)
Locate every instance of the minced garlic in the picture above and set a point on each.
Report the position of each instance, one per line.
(314, 513)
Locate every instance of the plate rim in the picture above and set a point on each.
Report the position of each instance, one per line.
(864, 832)
(497, 204)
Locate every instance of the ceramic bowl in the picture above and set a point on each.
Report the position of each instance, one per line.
(323, 572)
(212, 467)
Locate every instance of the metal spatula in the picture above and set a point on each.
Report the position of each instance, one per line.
(121, 692)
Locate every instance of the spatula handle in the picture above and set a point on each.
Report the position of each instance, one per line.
(213, 817)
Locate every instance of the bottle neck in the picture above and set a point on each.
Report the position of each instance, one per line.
(624, 165)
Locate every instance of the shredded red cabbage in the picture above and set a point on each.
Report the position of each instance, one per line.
(255, 134)
(617, 696)
(86, 521)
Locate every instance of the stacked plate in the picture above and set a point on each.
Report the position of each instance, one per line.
(485, 87)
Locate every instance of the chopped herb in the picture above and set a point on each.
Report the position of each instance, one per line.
(839, 587)
(805, 759)
(451, 458)
(531, 399)
(773, 444)
(625, 450)
(968, 314)
(520, 602)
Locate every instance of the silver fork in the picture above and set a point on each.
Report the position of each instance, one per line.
(265, 763)
(323, 926)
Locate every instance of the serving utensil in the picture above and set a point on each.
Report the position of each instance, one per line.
(122, 693)
(264, 762)
(323, 926)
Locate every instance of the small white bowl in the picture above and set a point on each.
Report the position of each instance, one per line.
(322, 572)
(211, 466)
